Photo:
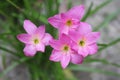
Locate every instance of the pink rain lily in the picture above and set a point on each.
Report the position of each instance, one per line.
(35, 39)
(84, 40)
(68, 21)
(62, 52)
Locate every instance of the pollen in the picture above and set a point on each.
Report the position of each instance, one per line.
(36, 41)
(82, 43)
(66, 48)
(69, 23)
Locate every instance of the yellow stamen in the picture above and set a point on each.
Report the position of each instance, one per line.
(69, 23)
(81, 43)
(36, 41)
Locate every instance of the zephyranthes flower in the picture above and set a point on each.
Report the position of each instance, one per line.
(84, 40)
(63, 52)
(68, 21)
(35, 39)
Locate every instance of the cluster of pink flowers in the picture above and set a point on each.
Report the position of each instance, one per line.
(76, 39)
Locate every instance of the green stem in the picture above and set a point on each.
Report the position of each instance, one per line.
(110, 44)
(16, 6)
(7, 50)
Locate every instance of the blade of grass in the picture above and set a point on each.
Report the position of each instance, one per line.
(69, 75)
(16, 6)
(100, 7)
(4, 61)
(13, 65)
(95, 70)
(107, 20)
(7, 50)
(109, 44)
(99, 44)
(88, 12)
(103, 61)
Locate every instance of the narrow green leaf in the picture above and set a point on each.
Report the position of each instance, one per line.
(16, 6)
(103, 61)
(27, 4)
(7, 50)
(88, 12)
(100, 6)
(109, 44)
(4, 61)
(69, 5)
(107, 20)
(43, 19)
(13, 65)
(96, 70)
(99, 44)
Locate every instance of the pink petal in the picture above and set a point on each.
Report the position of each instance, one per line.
(40, 47)
(29, 50)
(76, 58)
(65, 39)
(40, 31)
(84, 28)
(47, 38)
(76, 12)
(55, 21)
(93, 49)
(75, 36)
(55, 56)
(64, 29)
(92, 37)
(25, 38)
(55, 44)
(29, 27)
(83, 51)
(65, 59)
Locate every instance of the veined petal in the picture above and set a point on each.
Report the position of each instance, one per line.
(29, 50)
(76, 58)
(29, 27)
(65, 59)
(64, 39)
(25, 38)
(55, 21)
(40, 47)
(55, 56)
(92, 48)
(92, 37)
(55, 44)
(83, 51)
(76, 12)
(84, 28)
(40, 31)
(63, 29)
(75, 36)
(47, 38)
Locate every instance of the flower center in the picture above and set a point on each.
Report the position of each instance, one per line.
(36, 41)
(69, 23)
(65, 48)
(81, 43)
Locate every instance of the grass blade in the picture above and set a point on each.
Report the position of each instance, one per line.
(88, 12)
(110, 44)
(103, 61)
(88, 69)
(13, 65)
(100, 7)
(107, 20)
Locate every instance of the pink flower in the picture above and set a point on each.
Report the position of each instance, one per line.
(35, 40)
(62, 52)
(65, 22)
(84, 40)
